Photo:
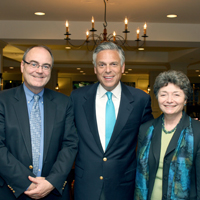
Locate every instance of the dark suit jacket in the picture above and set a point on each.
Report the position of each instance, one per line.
(117, 164)
(60, 143)
(154, 154)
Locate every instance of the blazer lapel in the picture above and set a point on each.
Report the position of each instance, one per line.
(156, 142)
(154, 152)
(90, 113)
(49, 118)
(125, 108)
(182, 125)
(21, 111)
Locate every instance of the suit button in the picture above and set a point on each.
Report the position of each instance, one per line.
(101, 177)
(105, 159)
(30, 167)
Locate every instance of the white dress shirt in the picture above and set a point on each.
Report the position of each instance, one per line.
(101, 100)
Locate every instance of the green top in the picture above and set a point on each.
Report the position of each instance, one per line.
(157, 189)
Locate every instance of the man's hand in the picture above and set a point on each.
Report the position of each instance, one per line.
(39, 188)
(33, 185)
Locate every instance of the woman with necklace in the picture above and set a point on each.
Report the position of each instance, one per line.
(168, 157)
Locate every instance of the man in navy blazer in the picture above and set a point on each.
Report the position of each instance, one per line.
(108, 172)
(58, 141)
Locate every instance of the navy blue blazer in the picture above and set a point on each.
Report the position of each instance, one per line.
(115, 168)
(60, 143)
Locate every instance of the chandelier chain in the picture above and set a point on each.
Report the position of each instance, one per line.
(105, 22)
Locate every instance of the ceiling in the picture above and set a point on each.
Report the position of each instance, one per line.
(170, 40)
(81, 10)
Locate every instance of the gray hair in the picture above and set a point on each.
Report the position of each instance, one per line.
(45, 47)
(178, 78)
(108, 46)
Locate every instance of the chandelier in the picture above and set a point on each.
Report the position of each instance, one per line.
(92, 39)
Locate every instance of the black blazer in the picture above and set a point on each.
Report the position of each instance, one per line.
(117, 164)
(60, 143)
(154, 154)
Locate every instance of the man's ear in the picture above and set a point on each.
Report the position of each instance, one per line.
(95, 70)
(123, 68)
(22, 66)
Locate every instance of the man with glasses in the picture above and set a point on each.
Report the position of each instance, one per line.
(38, 140)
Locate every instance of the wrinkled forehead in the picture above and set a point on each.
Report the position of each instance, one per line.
(40, 55)
(170, 87)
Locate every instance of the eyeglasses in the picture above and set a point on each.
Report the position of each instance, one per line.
(34, 65)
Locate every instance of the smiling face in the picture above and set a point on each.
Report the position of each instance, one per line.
(108, 68)
(171, 99)
(36, 79)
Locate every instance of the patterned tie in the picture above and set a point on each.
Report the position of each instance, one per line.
(35, 127)
(110, 117)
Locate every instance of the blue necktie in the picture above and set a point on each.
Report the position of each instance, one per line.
(110, 117)
(35, 128)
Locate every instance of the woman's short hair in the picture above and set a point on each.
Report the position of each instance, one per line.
(178, 78)
(42, 46)
(108, 46)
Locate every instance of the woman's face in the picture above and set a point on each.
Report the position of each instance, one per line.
(171, 99)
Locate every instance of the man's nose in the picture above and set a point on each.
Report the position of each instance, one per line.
(39, 69)
(108, 68)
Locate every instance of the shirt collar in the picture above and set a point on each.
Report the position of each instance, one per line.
(29, 94)
(116, 91)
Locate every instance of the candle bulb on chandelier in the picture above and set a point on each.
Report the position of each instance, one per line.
(92, 22)
(87, 35)
(138, 32)
(145, 29)
(114, 36)
(126, 23)
(67, 26)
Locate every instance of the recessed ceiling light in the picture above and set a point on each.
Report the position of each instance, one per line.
(78, 68)
(84, 73)
(126, 72)
(197, 70)
(141, 49)
(39, 13)
(172, 16)
(81, 71)
(67, 47)
(199, 75)
(129, 69)
(11, 67)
